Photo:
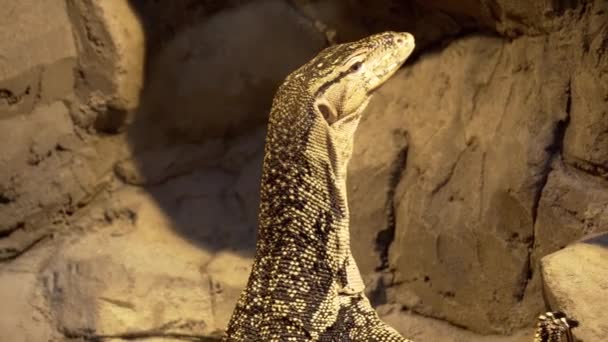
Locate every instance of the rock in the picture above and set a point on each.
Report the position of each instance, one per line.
(25, 315)
(19, 290)
(111, 59)
(586, 140)
(576, 282)
(247, 188)
(243, 149)
(573, 205)
(425, 329)
(47, 172)
(29, 180)
(342, 21)
(476, 160)
(481, 143)
(229, 273)
(513, 18)
(134, 273)
(99, 292)
(465, 202)
(223, 72)
(36, 57)
(163, 19)
(376, 166)
(156, 165)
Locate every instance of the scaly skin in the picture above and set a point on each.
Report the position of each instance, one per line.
(305, 284)
(554, 327)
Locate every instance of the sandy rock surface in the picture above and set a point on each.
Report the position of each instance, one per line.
(575, 280)
(194, 94)
(37, 55)
(487, 185)
(132, 137)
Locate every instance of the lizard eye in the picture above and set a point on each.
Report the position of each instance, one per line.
(356, 67)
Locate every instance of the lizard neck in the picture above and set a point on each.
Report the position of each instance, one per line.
(303, 199)
(304, 183)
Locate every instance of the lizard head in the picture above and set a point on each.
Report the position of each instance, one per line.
(342, 78)
(319, 105)
(338, 84)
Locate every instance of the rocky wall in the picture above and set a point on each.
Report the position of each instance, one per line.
(132, 135)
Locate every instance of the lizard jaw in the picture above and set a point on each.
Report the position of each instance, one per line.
(404, 45)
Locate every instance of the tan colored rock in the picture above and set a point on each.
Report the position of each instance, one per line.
(573, 205)
(425, 329)
(576, 282)
(46, 172)
(37, 55)
(465, 203)
(24, 313)
(150, 269)
(29, 161)
(16, 291)
(219, 76)
(167, 18)
(513, 17)
(586, 140)
(229, 273)
(447, 184)
(482, 139)
(111, 44)
(343, 21)
(372, 177)
(156, 165)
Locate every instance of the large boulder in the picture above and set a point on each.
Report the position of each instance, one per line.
(513, 17)
(147, 267)
(465, 200)
(37, 55)
(47, 172)
(586, 140)
(573, 205)
(576, 282)
(111, 46)
(489, 145)
(219, 76)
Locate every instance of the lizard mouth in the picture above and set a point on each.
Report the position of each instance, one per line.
(379, 80)
(402, 47)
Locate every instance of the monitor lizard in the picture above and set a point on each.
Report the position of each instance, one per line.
(305, 284)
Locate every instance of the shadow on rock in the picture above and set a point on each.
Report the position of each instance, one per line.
(599, 240)
(197, 137)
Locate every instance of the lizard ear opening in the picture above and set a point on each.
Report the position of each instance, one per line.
(326, 110)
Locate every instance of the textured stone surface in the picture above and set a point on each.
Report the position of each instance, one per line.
(576, 281)
(424, 329)
(141, 278)
(473, 209)
(573, 205)
(175, 16)
(586, 140)
(223, 72)
(514, 17)
(481, 156)
(150, 267)
(465, 202)
(350, 20)
(28, 178)
(111, 46)
(37, 55)
(25, 313)
(47, 172)
(372, 177)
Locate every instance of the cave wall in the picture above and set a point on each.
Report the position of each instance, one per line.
(474, 146)
(132, 137)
